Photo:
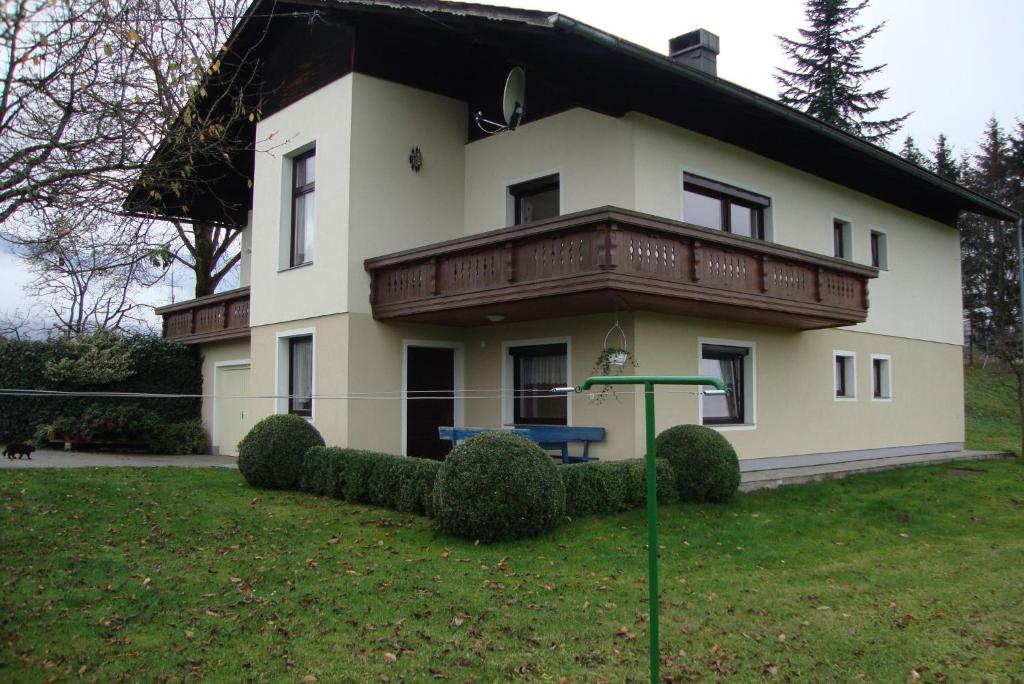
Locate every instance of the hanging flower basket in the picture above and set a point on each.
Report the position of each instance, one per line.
(617, 357)
(610, 362)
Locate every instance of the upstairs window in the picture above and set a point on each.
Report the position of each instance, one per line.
(535, 200)
(879, 253)
(536, 370)
(841, 239)
(303, 208)
(718, 206)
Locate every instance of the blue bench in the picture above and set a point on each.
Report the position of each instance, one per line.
(558, 437)
(548, 437)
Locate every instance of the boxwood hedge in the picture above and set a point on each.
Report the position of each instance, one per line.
(614, 486)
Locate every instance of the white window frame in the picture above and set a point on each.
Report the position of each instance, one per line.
(510, 200)
(284, 251)
(888, 376)
(769, 211)
(459, 382)
(851, 374)
(750, 395)
(282, 368)
(883, 248)
(214, 439)
(847, 237)
(508, 381)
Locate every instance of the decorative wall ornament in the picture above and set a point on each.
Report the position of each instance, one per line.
(416, 159)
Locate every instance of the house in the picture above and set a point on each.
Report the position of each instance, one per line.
(403, 270)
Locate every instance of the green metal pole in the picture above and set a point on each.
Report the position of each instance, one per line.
(652, 531)
(649, 381)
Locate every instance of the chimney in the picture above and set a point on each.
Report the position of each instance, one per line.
(696, 49)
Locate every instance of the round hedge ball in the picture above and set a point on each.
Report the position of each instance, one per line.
(705, 463)
(497, 486)
(270, 456)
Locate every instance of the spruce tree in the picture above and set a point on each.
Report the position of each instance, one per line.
(912, 153)
(828, 80)
(943, 162)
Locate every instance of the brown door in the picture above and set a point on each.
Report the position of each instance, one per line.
(430, 400)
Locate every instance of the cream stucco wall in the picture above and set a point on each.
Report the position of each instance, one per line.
(918, 297)
(795, 407)
(213, 354)
(330, 371)
(592, 153)
(393, 207)
(323, 119)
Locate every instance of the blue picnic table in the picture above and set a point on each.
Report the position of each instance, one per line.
(548, 437)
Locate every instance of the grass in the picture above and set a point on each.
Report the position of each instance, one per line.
(175, 574)
(993, 420)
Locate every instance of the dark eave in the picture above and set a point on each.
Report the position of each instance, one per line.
(462, 51)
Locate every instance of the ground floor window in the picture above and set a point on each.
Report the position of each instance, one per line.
(845, 374)
(536, 370)
(300, 375)
(733, 364)
(881, 376)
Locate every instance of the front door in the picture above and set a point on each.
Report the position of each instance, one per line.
(430, 400)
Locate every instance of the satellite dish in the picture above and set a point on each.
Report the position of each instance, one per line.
(514, 100)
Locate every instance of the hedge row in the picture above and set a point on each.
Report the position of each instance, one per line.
(614, 486)
(366, 477)
(158, 366)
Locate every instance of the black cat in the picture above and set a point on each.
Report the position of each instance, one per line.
(19, 448)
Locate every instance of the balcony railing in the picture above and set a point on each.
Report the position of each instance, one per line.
(611, 259)
(223, 316)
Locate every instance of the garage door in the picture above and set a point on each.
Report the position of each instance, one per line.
(232, 413)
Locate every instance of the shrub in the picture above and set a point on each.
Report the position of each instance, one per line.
(614, 486)
(498, 486)
(271, 454)
(188, 437)
(704, 462)
(107, 423)
(366, 477)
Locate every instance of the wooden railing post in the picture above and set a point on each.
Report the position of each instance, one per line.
(434, 285)
(698, 261)
(509, 264)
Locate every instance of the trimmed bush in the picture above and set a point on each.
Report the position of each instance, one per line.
(271, 454)
(704, 462)
(366, 477)
(188, 437)
(614, 486)
(498, 486)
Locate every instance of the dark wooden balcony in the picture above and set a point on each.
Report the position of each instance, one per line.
(610, 259)
(223, 316)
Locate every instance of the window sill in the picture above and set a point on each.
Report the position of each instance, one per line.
(845, 398)
(882, 400)
(296, 266)
(731, 427)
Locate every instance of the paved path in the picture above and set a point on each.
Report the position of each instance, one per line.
(47, 458)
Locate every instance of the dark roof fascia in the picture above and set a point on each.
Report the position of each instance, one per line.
(982, 203)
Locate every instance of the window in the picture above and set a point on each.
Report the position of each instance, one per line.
(718, 206)
(535, 200)
(536, 370)
(845, 375)
(300, 375)
(879, 256)
(841, 239)
(734, 365)
(303, 208)
(881, 377)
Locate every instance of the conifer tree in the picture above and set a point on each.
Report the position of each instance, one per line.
(828, 80)
(943, 162)
(912, 153)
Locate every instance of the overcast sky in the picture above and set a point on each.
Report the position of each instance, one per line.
(953, 63)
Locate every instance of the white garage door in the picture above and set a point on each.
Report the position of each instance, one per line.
(231, 410)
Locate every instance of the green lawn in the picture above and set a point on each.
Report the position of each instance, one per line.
(993, 420)
(173, 574)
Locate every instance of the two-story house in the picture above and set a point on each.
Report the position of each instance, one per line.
(403, 270)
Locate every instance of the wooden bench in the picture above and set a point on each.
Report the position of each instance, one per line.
(548, 437)
(558, 437)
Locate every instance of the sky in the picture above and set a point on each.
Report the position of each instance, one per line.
(953, 63)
